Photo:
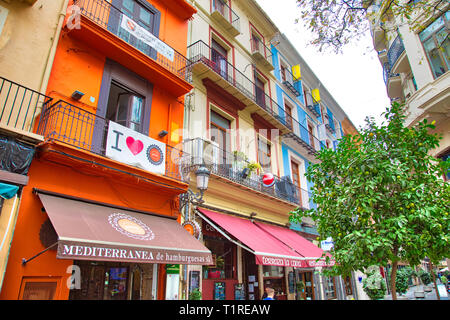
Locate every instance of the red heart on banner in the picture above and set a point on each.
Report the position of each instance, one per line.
(135, 146)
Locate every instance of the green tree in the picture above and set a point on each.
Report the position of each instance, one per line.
(380, 197)
(334, 23)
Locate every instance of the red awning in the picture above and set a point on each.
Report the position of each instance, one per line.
(267, 249)
(88, 231)
(308, 250)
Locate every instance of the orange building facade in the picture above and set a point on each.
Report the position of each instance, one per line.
(110, 131)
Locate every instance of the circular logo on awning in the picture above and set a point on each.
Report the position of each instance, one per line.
(130, 226)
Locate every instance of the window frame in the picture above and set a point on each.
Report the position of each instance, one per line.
(436, 43)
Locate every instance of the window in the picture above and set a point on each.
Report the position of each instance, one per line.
(125, 107)
(311, 134)
(219, 57)
(220, 133)
(219, 5)
(288, 110)
(330, 288)
(259, 91)
(223, 253)
(257, 44)
(348, 285)
(296, 178)
(142, 13)
(436, 43)
(38, 289)
(264, 154)
(445, 157)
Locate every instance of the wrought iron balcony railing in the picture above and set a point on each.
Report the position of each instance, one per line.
(227, 13)
(20, 105)
(70, 124)
(109, 17)
(232, 165)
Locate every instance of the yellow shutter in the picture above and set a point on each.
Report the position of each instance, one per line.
(316, 95)
(296, 72)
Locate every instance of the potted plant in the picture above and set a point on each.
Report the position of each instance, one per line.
(402, 283)
(253, 166)
(374, 285)
(300, 289)
(426, 280)
(195, 294)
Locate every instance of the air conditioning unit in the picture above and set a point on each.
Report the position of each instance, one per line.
(204, 152)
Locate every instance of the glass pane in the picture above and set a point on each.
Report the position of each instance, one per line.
(122, 110)
(128, 5)
(444, 45)
(39, 291)
(116, 284)
(435, 59)
(136, 108)
(431, 28)
(145, 16)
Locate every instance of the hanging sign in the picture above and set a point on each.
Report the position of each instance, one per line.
(147, 37)
(193, 228)
(133, 148)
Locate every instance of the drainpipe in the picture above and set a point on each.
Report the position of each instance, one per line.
(51, 53)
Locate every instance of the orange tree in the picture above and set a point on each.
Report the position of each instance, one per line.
(380, 197)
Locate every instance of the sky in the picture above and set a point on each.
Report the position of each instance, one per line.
(354, 78)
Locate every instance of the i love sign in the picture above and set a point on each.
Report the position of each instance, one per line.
(133, 148)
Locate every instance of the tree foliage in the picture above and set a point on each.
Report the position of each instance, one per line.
(335, 23)
(380, 196)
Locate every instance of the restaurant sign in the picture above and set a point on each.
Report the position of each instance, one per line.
(105, 252)
(292, 262)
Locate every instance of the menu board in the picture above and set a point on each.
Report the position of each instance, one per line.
(219, 290)
(239, 291)
(291, 281)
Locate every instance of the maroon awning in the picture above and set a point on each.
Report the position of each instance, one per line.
(88, 231)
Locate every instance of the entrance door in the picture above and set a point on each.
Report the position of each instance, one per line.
(308, 290)
(250, 273)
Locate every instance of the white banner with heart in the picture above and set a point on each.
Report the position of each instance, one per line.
(133, 148)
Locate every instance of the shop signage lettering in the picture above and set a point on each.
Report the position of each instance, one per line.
(133, 148)
(86, 252)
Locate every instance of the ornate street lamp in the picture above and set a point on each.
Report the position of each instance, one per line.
(202, 174)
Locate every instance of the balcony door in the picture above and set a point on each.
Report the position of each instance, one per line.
(219, 5)
(125, 98)
(259, 92)
(288, 110)
(311, 134)
(296, 179)
(220, 134)
(144, 14)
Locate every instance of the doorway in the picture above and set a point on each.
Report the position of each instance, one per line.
(307, 293)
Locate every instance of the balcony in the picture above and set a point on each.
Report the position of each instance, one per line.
(288, 81)
(101, 28)
(396, 56)
(301, 136)
(225, 75)
(69, 124)
(261, 54)
(226, 17)
(19, 108)
(231, 166)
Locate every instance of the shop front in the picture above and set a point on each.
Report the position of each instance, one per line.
(267, 256)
